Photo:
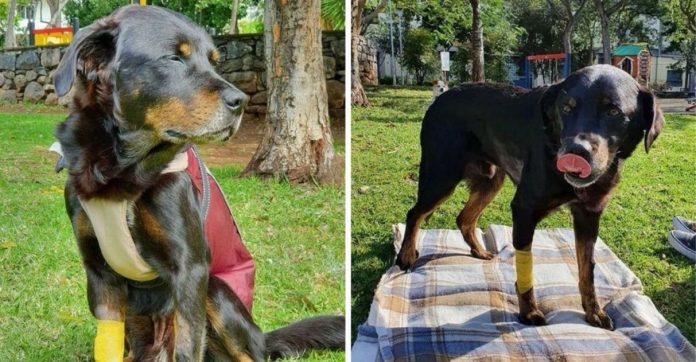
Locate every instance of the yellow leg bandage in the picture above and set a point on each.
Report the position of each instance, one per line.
(109, 342)
(523, 266)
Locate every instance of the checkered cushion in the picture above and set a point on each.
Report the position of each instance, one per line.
(453, 306)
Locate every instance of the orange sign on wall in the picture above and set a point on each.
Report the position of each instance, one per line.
(52, 36)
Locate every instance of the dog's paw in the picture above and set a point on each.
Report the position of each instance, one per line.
(533, 318)
(599, 319)
(405, 260)
(482, 254)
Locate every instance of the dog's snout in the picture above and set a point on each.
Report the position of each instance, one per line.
(582, 141)
(582, 149)
(234, 99)
(582, 144)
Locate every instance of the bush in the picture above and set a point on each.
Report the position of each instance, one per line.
(419, 53)
(254, 26)
(386, 80)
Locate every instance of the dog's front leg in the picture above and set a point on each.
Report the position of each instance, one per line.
(524, 221)
(191, 291)
(586, 226)
(106, 293)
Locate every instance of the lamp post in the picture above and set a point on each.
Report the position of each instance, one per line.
(400, 15)
(391, 40)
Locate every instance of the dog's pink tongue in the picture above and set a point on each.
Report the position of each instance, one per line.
(574, 164)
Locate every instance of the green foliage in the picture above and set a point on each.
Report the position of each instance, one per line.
(500, 38)
(683, 14)
(542, 33)
(450, 24)
(207, 13)
(333, 13)
(444, 18)
(4, 5)
(253, 26)
(87, 11)
(420, 53)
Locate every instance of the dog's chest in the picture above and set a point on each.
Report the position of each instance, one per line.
(109, 220)
(112, 221)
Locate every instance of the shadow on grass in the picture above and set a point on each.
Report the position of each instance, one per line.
(677, 301)
(374, 257)
(394, 105)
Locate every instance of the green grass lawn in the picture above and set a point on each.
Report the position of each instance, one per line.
(295, 233)
(654, 187)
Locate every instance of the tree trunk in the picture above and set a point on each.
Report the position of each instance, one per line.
(604, 23)
(297, 142)
(590, 61)
(357, 92)
(477, 74)
(10, 40)
(567, 37)
(54, 8)
(234, 29)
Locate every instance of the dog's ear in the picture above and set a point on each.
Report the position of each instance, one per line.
(91, 50)
(434, 83)
(651, 117)
(548, 99)
(548, 113)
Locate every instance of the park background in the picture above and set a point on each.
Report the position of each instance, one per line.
(288, 203)
(488, 41)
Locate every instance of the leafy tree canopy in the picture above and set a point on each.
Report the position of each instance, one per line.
(209, 13)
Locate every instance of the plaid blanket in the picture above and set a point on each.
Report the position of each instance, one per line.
(453, 306)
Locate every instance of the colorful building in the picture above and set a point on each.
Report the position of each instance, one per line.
(634, 59)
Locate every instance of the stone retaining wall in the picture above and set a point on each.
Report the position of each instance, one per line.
(26, 74)
(367, 60)
(242, 64)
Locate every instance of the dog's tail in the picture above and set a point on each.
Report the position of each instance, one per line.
(322, 332)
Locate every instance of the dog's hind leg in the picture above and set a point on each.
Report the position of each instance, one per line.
(484, 180)
(436, 183)
(232, 334)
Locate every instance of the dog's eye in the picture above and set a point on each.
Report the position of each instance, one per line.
(614, 112)
(175, 58)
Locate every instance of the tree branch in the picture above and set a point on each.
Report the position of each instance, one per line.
(552, 5)
(618, 6)
(582, 5)
(367, 19)
(689, 14)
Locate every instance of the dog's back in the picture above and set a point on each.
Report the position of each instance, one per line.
(471, 103)
(496, 121)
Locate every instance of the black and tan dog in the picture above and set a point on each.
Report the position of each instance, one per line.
(564, 144)
(144, 86)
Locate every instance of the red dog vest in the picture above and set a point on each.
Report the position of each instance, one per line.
(231, 262)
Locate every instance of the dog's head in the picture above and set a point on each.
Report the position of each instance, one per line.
(596, 115)
(154, 70)
(439, 87)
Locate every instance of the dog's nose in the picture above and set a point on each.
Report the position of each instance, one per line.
(583, 141)
(234, 99)
(578, 148)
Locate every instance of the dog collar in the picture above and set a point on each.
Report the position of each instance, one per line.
(110, 224)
